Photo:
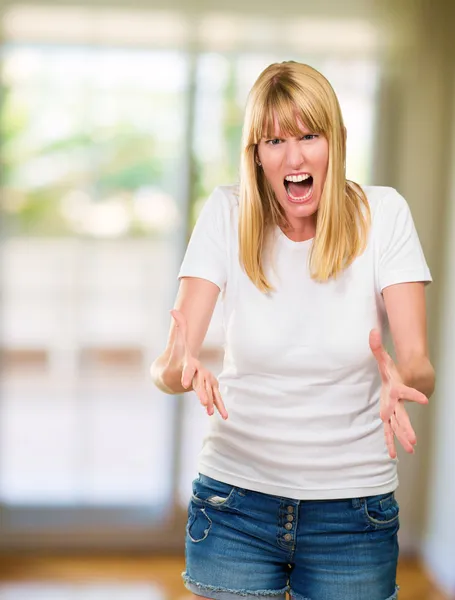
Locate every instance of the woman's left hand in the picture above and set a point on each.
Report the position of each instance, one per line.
(394, 393)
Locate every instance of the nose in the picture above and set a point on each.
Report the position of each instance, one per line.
(294, 155)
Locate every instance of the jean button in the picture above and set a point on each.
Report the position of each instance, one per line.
(290, 509)
(287, 537)
(290, 518)
(288, 526)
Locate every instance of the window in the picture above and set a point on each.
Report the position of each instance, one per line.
(93, 140)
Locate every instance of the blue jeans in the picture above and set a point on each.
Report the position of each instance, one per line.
(249, 545)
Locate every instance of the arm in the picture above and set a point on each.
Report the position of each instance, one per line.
(406, 311)
(196, 300)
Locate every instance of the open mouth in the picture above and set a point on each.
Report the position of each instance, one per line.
(300, 190)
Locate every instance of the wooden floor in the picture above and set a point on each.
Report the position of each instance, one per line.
(133, 578)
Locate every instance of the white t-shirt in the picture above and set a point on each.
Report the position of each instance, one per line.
(299, 381)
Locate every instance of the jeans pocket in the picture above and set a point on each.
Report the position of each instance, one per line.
(216, 494)
(381, 510)
(199, 524)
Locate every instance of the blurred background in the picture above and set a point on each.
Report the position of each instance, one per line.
(116, 122)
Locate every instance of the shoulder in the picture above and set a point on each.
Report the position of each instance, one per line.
(383, 197)
(386, 203)
(228, 195)
(222, 201)
(221, 207)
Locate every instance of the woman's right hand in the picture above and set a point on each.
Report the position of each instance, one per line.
(205, 384)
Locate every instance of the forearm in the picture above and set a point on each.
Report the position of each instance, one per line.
(419, 375)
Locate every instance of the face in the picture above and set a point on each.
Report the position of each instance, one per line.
(296, 168)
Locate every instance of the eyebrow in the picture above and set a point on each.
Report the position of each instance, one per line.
(281, 135)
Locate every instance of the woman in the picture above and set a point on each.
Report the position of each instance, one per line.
(296, 486)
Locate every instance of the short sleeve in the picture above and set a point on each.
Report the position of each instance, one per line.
(401, 257)
(207, 254)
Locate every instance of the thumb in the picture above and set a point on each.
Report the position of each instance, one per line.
(379, 353)
(188, 373)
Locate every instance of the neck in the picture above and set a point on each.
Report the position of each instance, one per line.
(303, 230)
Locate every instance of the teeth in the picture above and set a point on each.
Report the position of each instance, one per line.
(301, 198)
(297, 178)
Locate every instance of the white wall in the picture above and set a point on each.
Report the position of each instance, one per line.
(439, 544)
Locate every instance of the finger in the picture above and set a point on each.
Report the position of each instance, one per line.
(379, 353)
(405, 423)
(390, 440)
(199, 388)
(389, 401)
(209, 393)
(218, 401)
(408, 447)
(411, 394)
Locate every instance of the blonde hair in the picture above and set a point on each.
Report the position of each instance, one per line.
(292, 91)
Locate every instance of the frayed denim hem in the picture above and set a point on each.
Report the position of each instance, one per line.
(395, 595)
(218, 593)
(295, 596)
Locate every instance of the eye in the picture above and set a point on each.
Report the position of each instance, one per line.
(273, 142)
(309, 136)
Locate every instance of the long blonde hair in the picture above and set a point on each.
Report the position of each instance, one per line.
(290, 92)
